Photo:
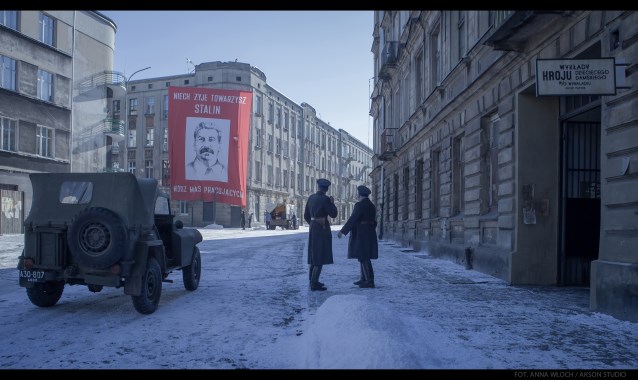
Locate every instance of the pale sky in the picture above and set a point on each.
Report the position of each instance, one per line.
(322, 58)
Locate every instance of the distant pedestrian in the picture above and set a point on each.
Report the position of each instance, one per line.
(250, 219)
(318, 208)
(243, 220)
(294, 222)
(363, 243)
(268, 219)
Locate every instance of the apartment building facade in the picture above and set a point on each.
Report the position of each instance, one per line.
(290, 146)
(55, 78)
(473, 165)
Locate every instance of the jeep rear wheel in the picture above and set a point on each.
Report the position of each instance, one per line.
(192, 273)
(148, 300)
(97, 238)
(46, 294)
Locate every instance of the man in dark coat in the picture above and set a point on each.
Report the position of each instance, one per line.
(318, 208)
(242, 221)
(363, 244)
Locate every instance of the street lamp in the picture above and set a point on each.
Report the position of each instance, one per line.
(126, 106)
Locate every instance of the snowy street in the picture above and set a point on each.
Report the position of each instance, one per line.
(253, 309)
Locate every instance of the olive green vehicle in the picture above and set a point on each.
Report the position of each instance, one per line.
(104, 229)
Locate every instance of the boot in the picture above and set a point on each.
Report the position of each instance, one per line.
(363, 276)
(314, 280)
(369, 274)
(310, 275)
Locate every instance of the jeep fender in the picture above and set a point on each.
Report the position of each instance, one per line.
(183, 242)
(143, 249)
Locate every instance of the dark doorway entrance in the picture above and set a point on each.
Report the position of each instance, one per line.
(580, 201)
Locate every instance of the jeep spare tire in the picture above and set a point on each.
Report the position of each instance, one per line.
(97, 237)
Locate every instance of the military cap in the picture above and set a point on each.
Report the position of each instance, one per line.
(323, 183)
(363, 191)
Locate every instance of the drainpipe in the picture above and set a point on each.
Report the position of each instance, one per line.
(382, 198)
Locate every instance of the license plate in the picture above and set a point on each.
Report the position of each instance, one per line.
(32, 275)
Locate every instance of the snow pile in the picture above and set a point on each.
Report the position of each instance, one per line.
(213, 227)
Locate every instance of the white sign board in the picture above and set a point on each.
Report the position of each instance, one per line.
(595, 76)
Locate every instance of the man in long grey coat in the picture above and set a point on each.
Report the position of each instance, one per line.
(363, 244)
(318, 208)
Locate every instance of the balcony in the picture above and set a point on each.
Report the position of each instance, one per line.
(113, 79)
(114, 128)
(389, 58)
(512, 30)
(387, 150)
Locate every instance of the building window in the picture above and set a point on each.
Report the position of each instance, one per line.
(131, 154)
(9, 19)
(150, 105)
(278, 118)
(132, 138)
(131, 167)
(258, 104)
(292, 180)
(132, 106)
(116, 108)
(150, 86)
(7, 73)
(286, 146)
(45, 85)
(149, 169)
(258, 138)
(167, 84)
(278, 146)
(299, 183)
(489, 163)
(271, 112)
(418, 78)
(270, 143)
(458, 177)
(166, 173)
(165, 142)
(165, 110)
(44, 141)
(210, 79)
(238, 79)
(183, 207)
(258, 171)
(149, 136)
(47, 29)
(461, 32)
(186, 81)
(435, 57)
(7, 134)
(278, 178)
(435, 184)
(286, 120)
(269, 174)
(418, 190)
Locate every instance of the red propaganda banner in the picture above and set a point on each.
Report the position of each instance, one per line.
(208, 144)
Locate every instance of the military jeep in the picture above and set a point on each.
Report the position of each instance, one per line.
(104, 229)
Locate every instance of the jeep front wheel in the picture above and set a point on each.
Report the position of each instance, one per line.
(192, 273)
(97, 238)
(46, 294)
(148, 300)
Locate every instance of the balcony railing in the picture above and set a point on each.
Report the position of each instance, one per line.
(513, 30)
(387, 149)
(114, 128)
(389, 57)
(104, 78)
